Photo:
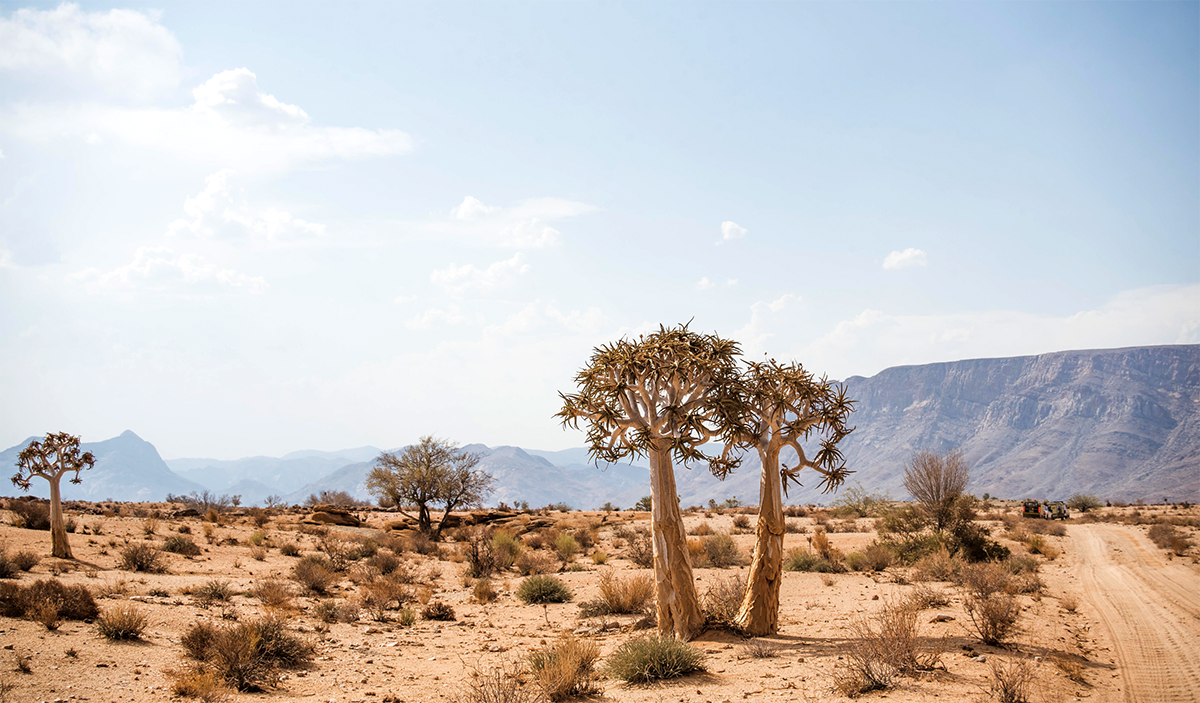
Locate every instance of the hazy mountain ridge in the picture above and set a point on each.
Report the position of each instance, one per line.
(1121, 423)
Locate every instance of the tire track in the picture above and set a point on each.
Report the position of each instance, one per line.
(1149, 609)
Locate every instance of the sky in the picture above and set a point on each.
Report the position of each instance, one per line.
(253, 228)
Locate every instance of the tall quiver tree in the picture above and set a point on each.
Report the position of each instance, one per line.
(782, 405)
(661, 396)
(51, 459)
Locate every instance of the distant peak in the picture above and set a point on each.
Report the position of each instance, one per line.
(129, 434)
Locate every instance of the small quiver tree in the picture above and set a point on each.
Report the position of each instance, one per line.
(661, 397)
(51, 458)
(782, 405)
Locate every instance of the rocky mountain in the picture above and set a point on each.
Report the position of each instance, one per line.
(127, 468)
(281, 474)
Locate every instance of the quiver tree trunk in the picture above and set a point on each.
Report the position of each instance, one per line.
(59, 546)
(759, 613)
(679, 612)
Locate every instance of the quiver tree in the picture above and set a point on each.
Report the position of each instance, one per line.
(782, 405)
(51, 458)
(431, 473)
(661, 397)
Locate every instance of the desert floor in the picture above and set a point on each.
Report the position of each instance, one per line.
(1134, 636)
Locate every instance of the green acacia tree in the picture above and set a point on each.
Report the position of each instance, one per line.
(781, 405)
(661, 396)
(51, 459)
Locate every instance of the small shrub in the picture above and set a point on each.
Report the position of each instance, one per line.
(532, 562)
(8, 568)
(200, 683)
(653, 658)
(124, 622)
(566, 546)
(566, 668)
(884, 645)
(213, 590)
(924, 596)
(938, 566)
(741, 522)
(1010, 680)
(701, 530)
(178, 544)
(30, 514)
(149, 526)
(407, 616)
(505, 549)
(543, 589)
(272, 593)
(291, 549)
(384, 562)
(599, 558)
(722, 599)
(994, 616)
(722, 551)
(506, 682)
(800, 559)
(72, 602)
(856, 561)
(25, 560)
(760, 649)
(641, 548)
(878, 557)
(47, 614)
(332, 611)
(258, 554)
(1069, 602)
(313, 573)
(139, 556)
(483, 591)
(247, 655)
(437, 610)
(620, 596)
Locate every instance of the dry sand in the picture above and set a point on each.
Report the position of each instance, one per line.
(1134, 634)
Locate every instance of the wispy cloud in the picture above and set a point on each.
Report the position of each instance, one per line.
(158, 269)
(459, 280)
(526, 225)
(908, 258)
(215, 212)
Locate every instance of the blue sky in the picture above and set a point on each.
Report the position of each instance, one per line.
(258, 227)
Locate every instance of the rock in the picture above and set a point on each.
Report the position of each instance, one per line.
(332, 515)
(981, 659)
(941, 617)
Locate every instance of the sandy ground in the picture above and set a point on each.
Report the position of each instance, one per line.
(1134, 634)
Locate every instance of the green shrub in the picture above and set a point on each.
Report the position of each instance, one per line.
(178, 544)
(543, 589)
(653, 658)
(800, 559)
(258, 537)
(566, 546)
(506, 549)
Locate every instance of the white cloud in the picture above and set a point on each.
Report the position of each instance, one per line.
(6, 259)
(403, 299)
(874, 340)
(908, 258)
(214, 212)
(731, 282)
(755, 334)
(523, 226)
(232, 124)
(704, 283)
(470, 208)
(458, 280)
(451, 315)
(122, 53)
(731, 231)
(161, 270)
(537, 317)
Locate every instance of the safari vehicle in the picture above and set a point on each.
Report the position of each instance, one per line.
(1047, 510)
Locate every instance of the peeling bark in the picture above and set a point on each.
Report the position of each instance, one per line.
(759, 613)
(679, 612)
(59, 546)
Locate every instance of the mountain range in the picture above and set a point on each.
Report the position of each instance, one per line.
(1119, 423)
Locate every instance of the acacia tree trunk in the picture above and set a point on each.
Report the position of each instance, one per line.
(59, 547)
(759, 614)
(679, 612)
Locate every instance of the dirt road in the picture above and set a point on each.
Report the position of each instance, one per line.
(1150, 606)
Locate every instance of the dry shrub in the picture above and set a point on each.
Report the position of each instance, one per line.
(213, 590)
(383, 594)
(25, 560)
(702, 530)
(506, 682)
(599, 557)
(258, 553)
(149, 526)
(722, 551)
(8, 569)
(272, 593)
(384, 562)
(247, 656)
(47, 614)
(884, 646)
(994, 616)
(641, 548)
(30, 514)
(439, 611)
(566, 668)
(697, 554)
(332, 611)
(505, 549)
(483, 591)
(71, 602)
(291, 549)
(178, 544)
(800, 559)
(1069, 602)
(760, 649)
(198, 682)
(938, 566)
(1025, 583)
(313, 573)
(741, 522)
(722, 600)
(139, 556)
(124, 622)
(619, 596)
(878, 558)
(653, 658)
(532, 562)
(566, 546)
(924, 596)
(1072, 668)
(1010, 680)
(985, 578)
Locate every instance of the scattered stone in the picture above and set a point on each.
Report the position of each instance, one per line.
(942, 617)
